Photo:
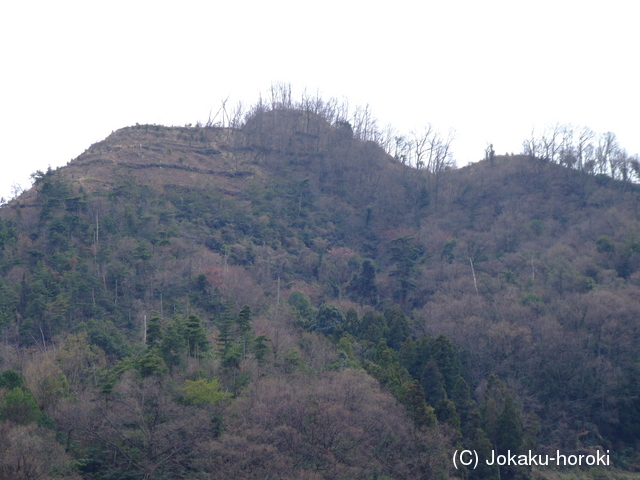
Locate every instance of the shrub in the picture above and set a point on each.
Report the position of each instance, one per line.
(605, 245)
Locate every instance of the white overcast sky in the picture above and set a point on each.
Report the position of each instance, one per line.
(73, 72)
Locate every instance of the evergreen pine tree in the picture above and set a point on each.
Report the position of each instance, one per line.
(398, 327)
(196, 338)
(154, 332)
(328, 319)
(152, 363)
(447, 413)
(363, 284)
(490, 419)
(243, 327)
(432, 383)
(372, 327)
(492, 405)
(383, 355)
(480, 443)
(422, 414)
(447, 360)
(461, 396)
(173, 345)
(405, 255)
(351, 321)
(225, 329)
(260, 347)
(509, 433)
(509, 430)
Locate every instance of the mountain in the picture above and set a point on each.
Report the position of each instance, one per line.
(285, 299)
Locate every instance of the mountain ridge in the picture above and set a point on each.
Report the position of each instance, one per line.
(504, 289)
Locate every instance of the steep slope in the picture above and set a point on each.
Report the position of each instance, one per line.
(539, 284)
(122, 278)
(506, 288)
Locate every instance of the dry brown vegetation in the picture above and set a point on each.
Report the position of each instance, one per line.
(402, 308)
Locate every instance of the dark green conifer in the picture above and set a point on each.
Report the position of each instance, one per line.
(152, 363)
(447, 413)
(372, 327)
(232, 357)
(413, 399)
(404, 253)
(383, 355)
(225, 329)
(154, 332)
(509, 431)
(243, 327)
(480, 443)
(432, 382)
(447, 360)
(408, 355)
(351, 321)
(10, 379)
(173, 346)
(196, 338)
(461, 396)
(328, 319)
(398, 327)
(363, 285)
(260, 347)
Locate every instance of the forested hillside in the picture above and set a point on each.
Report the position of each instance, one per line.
(283, 298)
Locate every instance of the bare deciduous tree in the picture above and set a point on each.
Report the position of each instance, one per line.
(32, 453)
(583, 148)
(140, 428)
(606, 153)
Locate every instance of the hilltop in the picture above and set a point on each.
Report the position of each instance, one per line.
(490, 306)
